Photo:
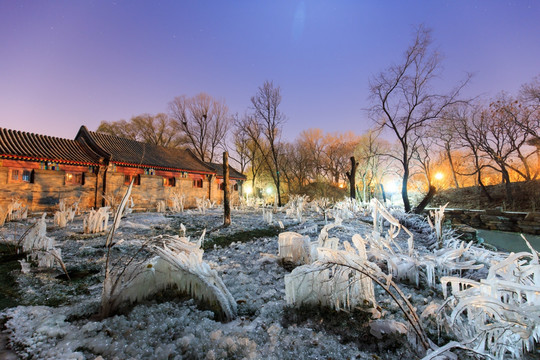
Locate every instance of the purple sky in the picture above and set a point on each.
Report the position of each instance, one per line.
(64, 64)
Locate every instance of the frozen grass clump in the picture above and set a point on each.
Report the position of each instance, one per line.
(498, 315)
(15, 210)
(178, 264)
(96, 221)
(177, 201)
(65, 214)
(161, 206)
(40, 248)
(327, 283)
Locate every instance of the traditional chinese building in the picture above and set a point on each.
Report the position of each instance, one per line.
(95, 167)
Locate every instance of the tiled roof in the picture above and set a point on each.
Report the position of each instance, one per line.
(233, 174)
(27, 146)
(134, 153)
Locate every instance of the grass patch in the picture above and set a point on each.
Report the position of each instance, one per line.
(9, 292)
(242, 236)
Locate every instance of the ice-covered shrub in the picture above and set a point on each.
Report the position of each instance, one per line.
(15, 210)
(177, 201)
(322, 206)
(65, 214)
(349, 208)
(267, 216)
(96, 221)
(203, 204)
(40, 248)
(436, 225)
(328, 284)
(295, 207)
(498, 315)
(161, 206)
(343, 279)
(298, 249)
(179, 263)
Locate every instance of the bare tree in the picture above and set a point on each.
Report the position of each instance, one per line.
(464, 119)
(404, 101)
(267, 120)
(443, 131)
(311, 145)
(424, 155)
(204, 120)
(338, 148)
(241, 142)
(295, 166)
(370, 152)
(251, 144)
(157, 129)
(530, 97)
(518, 123)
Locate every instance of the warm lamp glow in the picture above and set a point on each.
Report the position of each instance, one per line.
(392, 186)
(269, 191)
(248, 190)
(439, 176)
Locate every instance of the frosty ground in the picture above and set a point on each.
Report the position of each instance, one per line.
(56, 318)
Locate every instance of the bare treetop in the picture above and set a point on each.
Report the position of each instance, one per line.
(204, 120)
(404, 100)
(157, 129)
(266, 109)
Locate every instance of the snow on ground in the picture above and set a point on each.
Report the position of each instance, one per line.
(56, 318)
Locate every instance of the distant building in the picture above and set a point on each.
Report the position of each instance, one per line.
(94, 167)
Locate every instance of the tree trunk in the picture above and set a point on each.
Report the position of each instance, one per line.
(404, 193)
(449, 155)
(420, 207)
(483, 187)
(226, 192)
(383, 193)
(278, 185)
(352, 178)
(507, 185)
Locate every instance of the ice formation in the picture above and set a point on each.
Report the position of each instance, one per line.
(177, 201)
(498, 315)
(179, 263)
(267, 216)
(40, 248)
(15, 210)
(436, 225)
(295, 207)
(96, 221)
(294, 247)
(64, 214)
(326, 282)
(161, 206)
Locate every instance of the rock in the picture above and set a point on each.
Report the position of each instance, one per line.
(466, 232)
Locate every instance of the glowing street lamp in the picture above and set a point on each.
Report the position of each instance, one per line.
(269, 191)
(439, 176)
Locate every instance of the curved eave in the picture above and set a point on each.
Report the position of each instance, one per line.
(161, 168)
(60, 161)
